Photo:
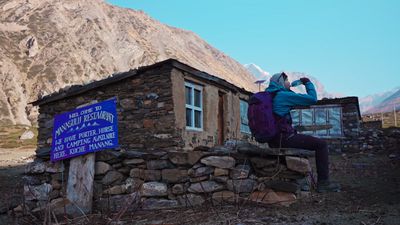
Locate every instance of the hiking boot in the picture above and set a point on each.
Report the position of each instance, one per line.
(328, 186)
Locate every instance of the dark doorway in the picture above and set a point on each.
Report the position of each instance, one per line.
(221, 127)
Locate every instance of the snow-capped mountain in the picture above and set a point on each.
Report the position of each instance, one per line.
(381, 102)
(367, 103)
(261, 74)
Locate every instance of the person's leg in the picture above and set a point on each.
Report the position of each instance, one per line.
(312, 143)
(321, 157)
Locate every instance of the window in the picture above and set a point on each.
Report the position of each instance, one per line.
(194, 106)
(244, 122)
(330, 115)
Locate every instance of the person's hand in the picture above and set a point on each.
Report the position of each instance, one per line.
(304, 80)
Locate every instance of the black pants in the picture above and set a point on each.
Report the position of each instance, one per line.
(310, 143)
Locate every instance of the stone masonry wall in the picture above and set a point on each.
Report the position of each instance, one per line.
(144, 107)
(351, 131)
(161, 179)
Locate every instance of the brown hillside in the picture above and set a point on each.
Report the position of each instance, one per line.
(46, 45)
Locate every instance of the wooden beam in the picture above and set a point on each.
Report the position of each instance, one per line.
(253, 150)
(313, 127)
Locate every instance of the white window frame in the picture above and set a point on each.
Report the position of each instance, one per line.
(194, 108)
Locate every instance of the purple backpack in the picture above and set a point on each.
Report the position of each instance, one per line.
(261, 118)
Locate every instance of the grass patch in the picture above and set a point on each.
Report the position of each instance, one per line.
(9, 137)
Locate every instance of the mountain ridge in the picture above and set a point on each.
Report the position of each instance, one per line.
(52, 44)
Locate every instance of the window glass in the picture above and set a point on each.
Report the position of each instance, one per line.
(188, 117)
(295, 114)
(320, 116)
(307, 119)
(188, 95)
(244, 122)
(197, 119)
(194, 111)
(320, 119)
(335, 121)
(197, 98)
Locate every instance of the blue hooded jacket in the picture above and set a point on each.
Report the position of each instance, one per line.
(285, 99)
(283, 102)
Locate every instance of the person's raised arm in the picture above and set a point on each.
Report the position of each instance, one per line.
(295, 99)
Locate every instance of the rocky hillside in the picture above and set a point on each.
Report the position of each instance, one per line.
(46, 45)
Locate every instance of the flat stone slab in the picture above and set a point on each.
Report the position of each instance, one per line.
(298, 164)
(154, 203)
(201, 171)
(205, 187)
(272, 197)
(154, 189)
(224, 162)
(249, 149)
(185, 158)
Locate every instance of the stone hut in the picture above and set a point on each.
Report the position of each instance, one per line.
(336, 120)
(180, 135)
(152, 112)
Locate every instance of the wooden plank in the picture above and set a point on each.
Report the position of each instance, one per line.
(80, 182)
(80, 185)
(313, 127)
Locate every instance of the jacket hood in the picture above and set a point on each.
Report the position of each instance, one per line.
(274, 86)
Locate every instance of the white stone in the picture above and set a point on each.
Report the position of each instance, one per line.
(27, 135)
(154, 189)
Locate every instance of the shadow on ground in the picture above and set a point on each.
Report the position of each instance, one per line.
(370, 195)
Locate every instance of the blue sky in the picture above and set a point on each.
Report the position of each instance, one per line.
(351, 46)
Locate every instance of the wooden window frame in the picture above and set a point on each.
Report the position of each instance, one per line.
(327, 116)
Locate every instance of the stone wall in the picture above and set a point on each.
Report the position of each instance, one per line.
(381, 139)
(351, 130)
(151, 112)
(144, 106)
(169, 179)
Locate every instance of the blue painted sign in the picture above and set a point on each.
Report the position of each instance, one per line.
(88, 129)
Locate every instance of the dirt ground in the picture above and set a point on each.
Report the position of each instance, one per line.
(370, 195)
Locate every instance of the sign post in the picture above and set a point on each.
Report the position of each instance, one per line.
(77, 135)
